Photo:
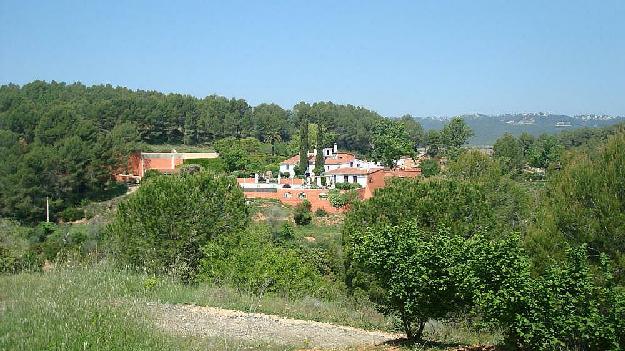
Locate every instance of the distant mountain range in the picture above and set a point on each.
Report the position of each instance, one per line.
(488, 128)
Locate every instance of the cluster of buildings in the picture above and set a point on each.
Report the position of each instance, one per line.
(339, 167)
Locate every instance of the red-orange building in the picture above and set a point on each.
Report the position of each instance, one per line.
(164, 162)
(294, 193)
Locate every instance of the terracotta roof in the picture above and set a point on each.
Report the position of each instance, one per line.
(351, 171)
(291, 161)
(340, 158)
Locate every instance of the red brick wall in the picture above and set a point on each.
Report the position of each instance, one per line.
(312, 195)
(378, 179)
(160, 164)
(294, 181)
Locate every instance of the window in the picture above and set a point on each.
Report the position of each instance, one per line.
(355, 179)
(301, 195)
(287, 195)
(351, 164)
(345, 179)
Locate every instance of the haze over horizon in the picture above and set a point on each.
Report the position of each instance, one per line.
(427, 59)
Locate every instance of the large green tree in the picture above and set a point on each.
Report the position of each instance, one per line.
(510, 151)
(584, 203)
(302, 111)
(414, 130)
(390, 142)
(162, 227)
(272, 124)
(454, 134)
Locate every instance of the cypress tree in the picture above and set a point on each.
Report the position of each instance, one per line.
(303, 145)
(319, 159)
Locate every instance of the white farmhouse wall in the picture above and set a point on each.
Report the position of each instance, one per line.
(362, 180)
(290, 169)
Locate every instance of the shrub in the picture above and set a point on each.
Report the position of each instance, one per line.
(429, 167)
(570, 307)
(211, 164)
(151, 173)
(320, 212)
(15, 252)
(249, 261)
(418, 271)
(302, 214)
(162, 226)
(344, 198)
(347, 186)
(65, 242)
(190, 168)
(285, 234)
(432, 215)
(72, 214)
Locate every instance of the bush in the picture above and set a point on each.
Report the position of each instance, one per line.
(211, 164)
(320, 212)
(347, 186)
(429, 167)
(190, 169)
(302, 214)
(402, 242)
(162, 227)
(344, 198)
(151, 173)
(418, 270)
(285, 234)
(570, 307)
(72, 214)
(15, 251)
(249, 261)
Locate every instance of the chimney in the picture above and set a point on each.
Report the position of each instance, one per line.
(336, 148)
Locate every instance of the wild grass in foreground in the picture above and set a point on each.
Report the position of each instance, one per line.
(84, 309)
(100, 308)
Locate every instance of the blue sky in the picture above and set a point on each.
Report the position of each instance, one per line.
(419, 57)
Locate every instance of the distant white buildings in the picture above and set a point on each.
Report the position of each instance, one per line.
(339, 167)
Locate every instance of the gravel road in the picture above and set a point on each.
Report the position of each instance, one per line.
(214, 322)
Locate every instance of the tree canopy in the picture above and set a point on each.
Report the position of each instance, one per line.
(390, 142)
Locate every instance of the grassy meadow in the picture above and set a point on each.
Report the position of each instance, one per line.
(97, 307)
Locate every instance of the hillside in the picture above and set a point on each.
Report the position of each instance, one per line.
(488, 128)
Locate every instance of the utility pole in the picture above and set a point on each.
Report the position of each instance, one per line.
(47, 210)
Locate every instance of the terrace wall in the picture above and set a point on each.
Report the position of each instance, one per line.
(290, 196)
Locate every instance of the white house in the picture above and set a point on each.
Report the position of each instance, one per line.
(333, 159)
(339, 167)
(349, 175)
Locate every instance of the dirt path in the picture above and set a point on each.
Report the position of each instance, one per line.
(211, 322)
